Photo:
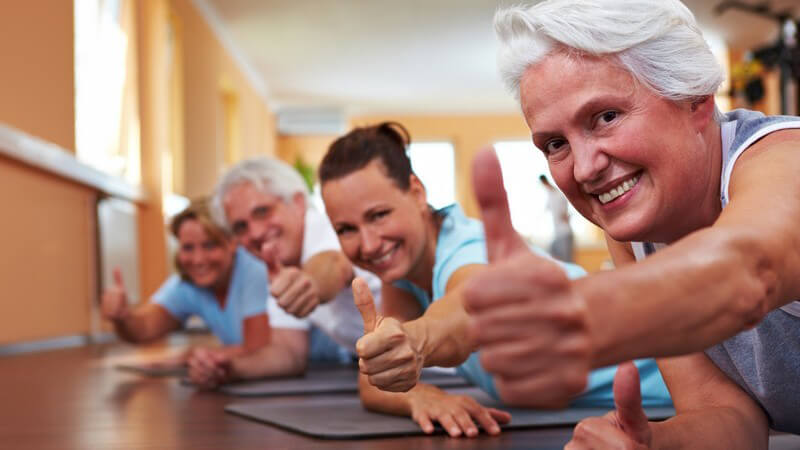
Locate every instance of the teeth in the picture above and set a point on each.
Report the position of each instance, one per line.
(619, 190)
(384, 258)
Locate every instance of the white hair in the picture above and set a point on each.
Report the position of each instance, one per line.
(657, 41)
(268, 175)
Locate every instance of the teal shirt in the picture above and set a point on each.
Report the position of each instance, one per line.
(247, 297)
(462, 242)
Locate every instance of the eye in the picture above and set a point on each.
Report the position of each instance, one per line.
(554, 146)
(239, 228)
(187, 247)
(607, 117)
(380, 214)
(344, 229)
(260, 212)
(210, 245)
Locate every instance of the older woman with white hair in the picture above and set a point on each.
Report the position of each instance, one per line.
(619, 97)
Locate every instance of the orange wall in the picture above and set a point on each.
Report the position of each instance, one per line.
(47, 266)
(151, 38)
(311, 148)
(38, 81)
(46, 271)
(209, 71)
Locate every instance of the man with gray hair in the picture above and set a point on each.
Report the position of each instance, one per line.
(700, 212)
(264, 203)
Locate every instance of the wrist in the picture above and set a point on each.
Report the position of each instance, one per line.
(419, 338)
(599, 329)
(418, 395)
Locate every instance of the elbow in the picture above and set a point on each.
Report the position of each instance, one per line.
(749, 309)
(299, 363)
(366, 393)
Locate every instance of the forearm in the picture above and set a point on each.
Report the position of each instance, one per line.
(134, 329)
(441, 335)
(685, 298)
(271, 360)
(720, 427)
(396, 403)
(331, 271)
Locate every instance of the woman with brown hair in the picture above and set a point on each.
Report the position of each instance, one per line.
(423, 256)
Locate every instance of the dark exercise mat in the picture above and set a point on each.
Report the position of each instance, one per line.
(325, 381)
(344, 418)
(150, 370)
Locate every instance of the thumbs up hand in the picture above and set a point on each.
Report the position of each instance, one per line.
(114, 301)
(626, 427)
(294, 289)
(387, 354)
(528, 320)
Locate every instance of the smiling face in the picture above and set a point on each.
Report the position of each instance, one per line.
(256, 217)
(205, 260)
(637, 165)
(381, 228)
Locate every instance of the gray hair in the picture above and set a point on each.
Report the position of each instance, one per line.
(657, 41)
(268, 175)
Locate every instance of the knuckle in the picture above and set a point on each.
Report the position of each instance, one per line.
(490, 361)
(575, 382)
(580, 429)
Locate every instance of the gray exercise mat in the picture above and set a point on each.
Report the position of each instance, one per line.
(326, 381)
(332, 417)
(150, 370)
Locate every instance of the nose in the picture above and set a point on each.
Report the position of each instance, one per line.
(370, 242)
(589, 160)
(197, 257)
(256, 235)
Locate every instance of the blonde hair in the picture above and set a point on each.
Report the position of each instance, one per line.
(197, 211)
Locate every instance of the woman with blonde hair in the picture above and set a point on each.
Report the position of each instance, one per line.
(222, 284)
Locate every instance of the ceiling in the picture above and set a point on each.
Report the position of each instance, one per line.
(401, 57)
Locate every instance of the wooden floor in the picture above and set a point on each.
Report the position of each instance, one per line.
(75, 399)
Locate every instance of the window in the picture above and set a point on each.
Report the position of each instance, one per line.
(434, 164)
(522, 164)
(106, 98)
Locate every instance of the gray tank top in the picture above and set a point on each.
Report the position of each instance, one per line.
(764, 361)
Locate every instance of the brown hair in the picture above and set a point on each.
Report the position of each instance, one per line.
(197, 210)
(386, 141)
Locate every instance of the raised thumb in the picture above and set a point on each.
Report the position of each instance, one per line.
(117, 276)
(628, 401)
(270, 256)
(502, 240)
(365, 304)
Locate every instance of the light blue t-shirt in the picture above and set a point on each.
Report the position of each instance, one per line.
(462, 242)
(247, 294)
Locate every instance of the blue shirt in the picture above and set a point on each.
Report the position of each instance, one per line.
(247, 294)
(462, 242)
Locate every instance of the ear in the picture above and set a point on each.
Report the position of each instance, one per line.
(299, 201)
(417, 190)
(702, 112)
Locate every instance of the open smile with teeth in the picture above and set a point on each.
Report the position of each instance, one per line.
(383, 259)
(618, 190)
